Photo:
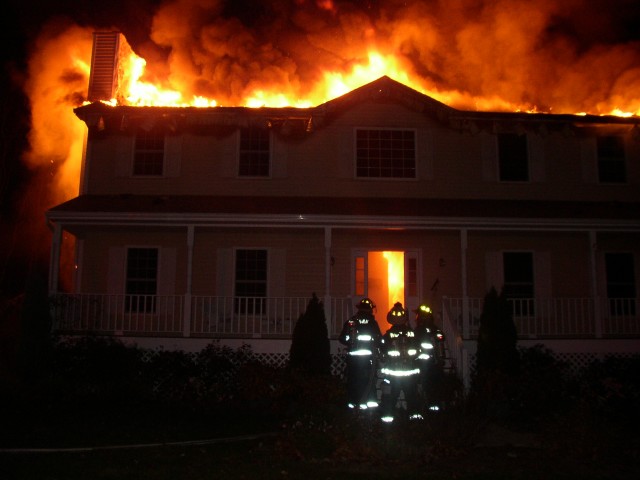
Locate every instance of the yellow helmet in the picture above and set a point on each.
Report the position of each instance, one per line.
(397, 315)
(366, 304)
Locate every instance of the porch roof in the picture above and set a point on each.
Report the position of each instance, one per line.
(346, 211)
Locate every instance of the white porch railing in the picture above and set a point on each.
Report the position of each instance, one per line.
(554, 317)
(118, 314)
(182, 315)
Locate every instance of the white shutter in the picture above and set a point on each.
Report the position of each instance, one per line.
(494, 270)
(123, 160)
(536, 157)
(589, 160)
(167, 271)
(542, 274)
(172, 155)
(116, 271)
(224, 272)
(276, 286)
(489, 158)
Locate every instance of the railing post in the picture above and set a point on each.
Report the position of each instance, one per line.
(465, 298)
(597, 311)
(186, 305)
(597, 316)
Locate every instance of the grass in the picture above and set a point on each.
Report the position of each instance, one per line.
(454, 444)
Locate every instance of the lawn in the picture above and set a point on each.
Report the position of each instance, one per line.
(147, 445)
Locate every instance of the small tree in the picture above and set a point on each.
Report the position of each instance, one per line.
(310, 350)
(497, 360)
(497, 336)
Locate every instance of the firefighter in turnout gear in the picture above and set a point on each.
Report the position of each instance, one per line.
(361, 335)
(431, 358)
(400, 373)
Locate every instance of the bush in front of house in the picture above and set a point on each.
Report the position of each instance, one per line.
(497, 360)
(310, 350)
(93, 372)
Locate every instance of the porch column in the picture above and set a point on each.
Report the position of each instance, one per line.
(597, 310)
(187, 295)
(327, 276)
(54, 259)
(465, 297)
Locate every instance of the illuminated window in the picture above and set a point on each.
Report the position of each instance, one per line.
(385, 153)
(513, 157)
(251, 281)
(518, 282)
(611, 160)
(149, 153)
(142, 279)
(254, 152)
(621, 283)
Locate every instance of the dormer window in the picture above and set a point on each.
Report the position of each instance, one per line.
(385, 153)
(149, 152)
(611, 159)
(255, 152)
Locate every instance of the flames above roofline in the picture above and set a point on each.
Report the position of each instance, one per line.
(294, 121)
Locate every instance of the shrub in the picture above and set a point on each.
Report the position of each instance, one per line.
(310, 350)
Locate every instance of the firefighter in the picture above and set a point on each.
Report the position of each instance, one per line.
(431, 358)
(361, 335)
(400, 373)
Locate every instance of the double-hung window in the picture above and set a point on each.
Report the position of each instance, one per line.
(513, 157)
(149, 151)
(142, 280)
(621, 283)
(611, 159)
(255, 152)
(519, 282)
(385, 153)
(251, 281)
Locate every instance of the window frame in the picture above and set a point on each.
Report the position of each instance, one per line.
(151, 149)
(133, 298)
(357, 148)
(246, 154)
(523, 302)
(510, 156)
(616, 164)
(250, 304)
(619, 304)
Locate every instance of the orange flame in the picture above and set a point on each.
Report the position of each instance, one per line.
(395, 277)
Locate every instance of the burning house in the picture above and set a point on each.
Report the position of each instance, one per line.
(195, 224)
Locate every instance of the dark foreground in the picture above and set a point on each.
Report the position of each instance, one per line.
(232, 445)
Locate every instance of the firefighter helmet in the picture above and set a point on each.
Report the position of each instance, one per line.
(366, 304)
(397, 315)
(424, 315)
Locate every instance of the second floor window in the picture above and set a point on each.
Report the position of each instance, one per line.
(142, 279)
(255, 152)
(251, 280)
(513, 157)
(519, 282)
(611, 159)
(149, 153)
(385, 153)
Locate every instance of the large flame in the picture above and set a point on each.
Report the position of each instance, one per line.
(469, 55)
(395, 276)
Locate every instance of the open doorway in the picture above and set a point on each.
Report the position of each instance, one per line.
(387, 276)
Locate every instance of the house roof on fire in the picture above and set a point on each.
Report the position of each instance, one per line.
(305, 120)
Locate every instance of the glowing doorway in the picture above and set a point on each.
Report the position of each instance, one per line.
(385, 282)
